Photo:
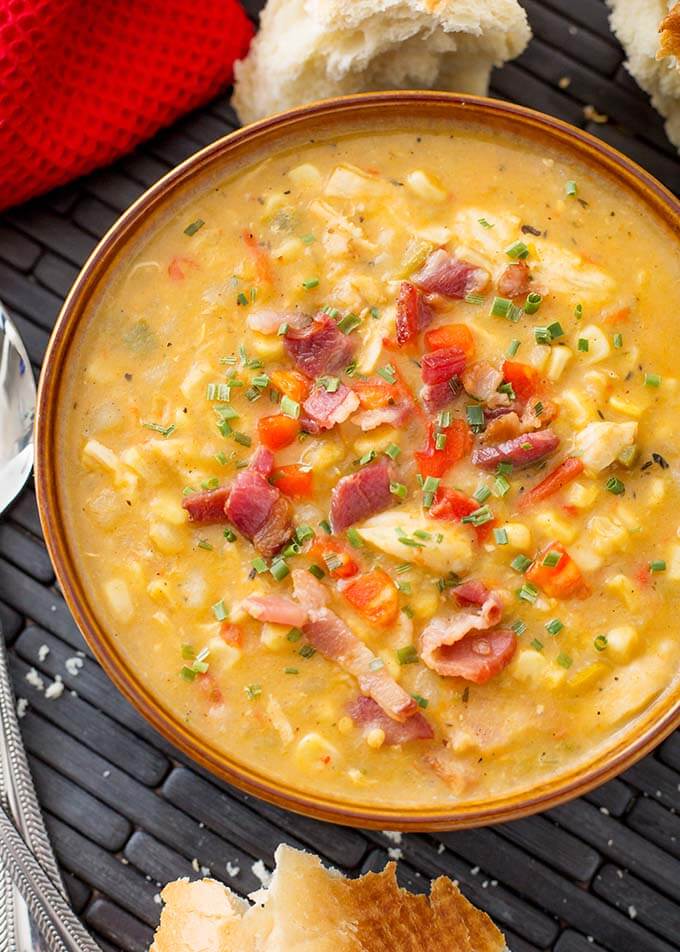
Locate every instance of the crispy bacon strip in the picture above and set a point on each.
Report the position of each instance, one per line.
(367, 714)
(445, 630)
(278, 609)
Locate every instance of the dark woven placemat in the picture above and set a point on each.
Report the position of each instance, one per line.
(126, 812)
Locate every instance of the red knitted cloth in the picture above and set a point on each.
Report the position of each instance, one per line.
(83, 81)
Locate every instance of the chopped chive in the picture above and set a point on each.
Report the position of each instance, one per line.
(564, 660)
(500, 536)
(657, 565)
(253, 691)
(230, 535)
(520, 563)
(194, 227)
(367, 458)
(479, 517)
(556, 330)
(528, 593)
(431, 485)
(536, 644)
(517, 250)
(392, 450)
(204, 544)
(600, 643)
(218, 391)
(188, 674)
(554, 626)
(403, 567)
(387, 373)
(294, 634)
(290, 408)
(349, 323)
(578, 312)
(374, 312)
(316, 571)
(350, 369)
(583, 344)
(283, 330)
(219, 611)
(279, 569)
(331, 311)
(570, 187)
(504, 469)
(615, 486)
(407, 655)
(533, 302)
(444, 419)
(332, 560)
(211, 483)
(405, 587)
(617, 340)
(188, 652)
(474, 298)
(308, 239)
(500, 486)
(158, 428)
(326, 526)
(310, 283)
(260, 381)
(307, 651)
(652, 380)
(440, 441)
(475, 416)
(330, 384)
(408, 611)
(242, 438)
(354, 538)
(241, 299)
(513, 347)
(518, 626)
(290, 550)
(302, 533)
(484, 223)
(221, 458)
(259, 565)
(552, 559)
(398, 489)
(418, 698)
(500, 306)
(481, 494)
(291, 671)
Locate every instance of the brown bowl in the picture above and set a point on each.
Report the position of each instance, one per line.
(360, 113)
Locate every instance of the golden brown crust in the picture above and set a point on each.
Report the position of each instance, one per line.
(669, 30)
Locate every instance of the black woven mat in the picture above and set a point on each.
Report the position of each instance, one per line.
(126, 812)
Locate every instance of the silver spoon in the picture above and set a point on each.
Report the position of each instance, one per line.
(34, 912)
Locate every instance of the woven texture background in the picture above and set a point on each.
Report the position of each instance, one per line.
(126, 812)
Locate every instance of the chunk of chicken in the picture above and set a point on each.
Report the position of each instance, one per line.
(438, 546)
(599, 444)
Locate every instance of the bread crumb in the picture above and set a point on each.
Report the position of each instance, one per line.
(233, 869)
(22, 707)
(591, 113)
(261, 872)
(194, 865)
(394, 853)
(604, 810)
(393, 835)
(74, 666)
(564, 82)
(441, 848)
(43, 652)
(474, 870)
(34, 679)
(632, 912)
(55, 689)
(157, 899)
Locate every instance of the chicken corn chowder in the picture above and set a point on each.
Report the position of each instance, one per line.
(370, 462)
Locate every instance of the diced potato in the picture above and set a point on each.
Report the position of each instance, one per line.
(577, 406)
(598, 444)
(582, 495)
(628, 516)
(377, 439)
(305, 175)
(136, 459)
(561, 270)
(652, 492)
(673, 563)
(426, 186)
(106, 417)
(347, 181)
(425, 602)
(266, 346)
(607, 535)
(97, 456)
(585, 557)
(452, 554)
(289, 250)
(622, 642)
(597, 384)
(559, 358)
(587, 677)
(120, 602)
(106, 508)
(322, 454)
(533, 668)
(169, 509)
(598, 344)
(166, 538)
(552, 525)
(314, 752)
(626, 590)
(100, 370)
(223, 654)
(628, 407)
(372, 340)
(539, 356)
(274, 636)
(519, 535)
(159, 590)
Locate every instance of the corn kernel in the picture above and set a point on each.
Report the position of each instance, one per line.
(622, 642)
(314, 751)
(118, 596)
(274, 636)
(378, 439)
(628, 517)
(168, 509)
(375, 738)
(345, 725)
(577, 406)
(220, 651)
(551, 524)
(628, 407)
(266, 346)
(424, 602)
(519, 535)
(626, 590)
(582, 495)
(673, 563)
(529, 666)
(606, 535)
(158, 589)
(653, 492)
(557, 362)
(166, 538)
(587, 677)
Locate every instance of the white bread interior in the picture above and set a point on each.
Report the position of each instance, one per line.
(313, 49)
(307, 908)
(651, 58)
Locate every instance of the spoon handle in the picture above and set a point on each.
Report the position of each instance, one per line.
(58, 924)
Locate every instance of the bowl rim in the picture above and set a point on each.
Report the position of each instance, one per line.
(576, 782)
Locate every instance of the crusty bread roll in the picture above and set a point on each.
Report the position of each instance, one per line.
(312, 49)
(308, 908)
(649, 31)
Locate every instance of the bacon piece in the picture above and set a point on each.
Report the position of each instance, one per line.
(326, 409)
(482, 380)
(471, 592)
(309, 591)
(267, 320)
(435, 396)
(259, 511)
(479, 657)
(262, 461)
(278, 609)
(452, 277)
(515, 280)
(444, 631)
(522, 451)
(333, 639)
(502, 428)
(207, 507)
(367, 714)
(538, 414)
(360, 495)
(440, 366)
(413, 312)
(319, 348)
(395, 415)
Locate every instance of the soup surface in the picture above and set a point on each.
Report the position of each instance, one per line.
(370, 465)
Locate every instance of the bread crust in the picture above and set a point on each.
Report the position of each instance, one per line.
(669, 41)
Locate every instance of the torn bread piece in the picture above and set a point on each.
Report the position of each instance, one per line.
(313, 49)
(307, 908)
(649, 31)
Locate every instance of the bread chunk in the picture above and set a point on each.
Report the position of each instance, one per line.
(313, 49)
(307, 908)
